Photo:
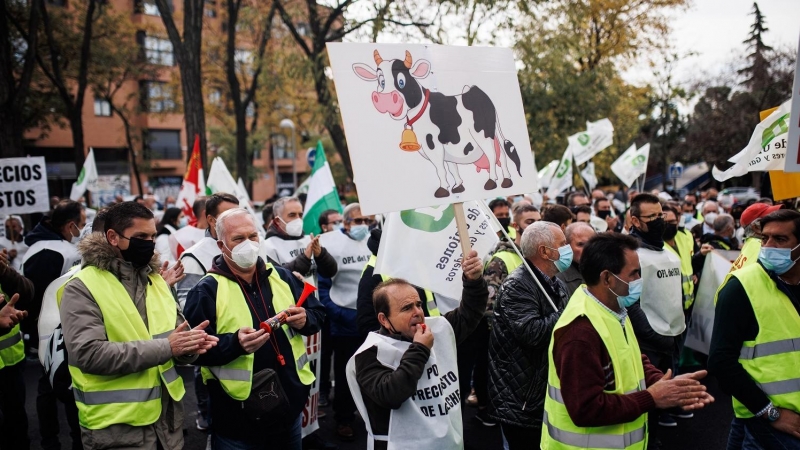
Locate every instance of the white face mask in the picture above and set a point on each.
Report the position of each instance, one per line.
(245, 254)
(75, 239)
(294, 228)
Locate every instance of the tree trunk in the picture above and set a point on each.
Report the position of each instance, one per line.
(76, 126)
(11, 129)
(330, 115)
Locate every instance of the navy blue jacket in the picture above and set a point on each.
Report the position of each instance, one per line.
(344, 321)
(201, 305)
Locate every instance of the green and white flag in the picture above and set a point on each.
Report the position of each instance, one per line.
(546, 174)
(221, 180)
(631, 164)
(86, 179)
(597, 137)
(589, 176)
(562, 178)
(766, 149)
(322, 194)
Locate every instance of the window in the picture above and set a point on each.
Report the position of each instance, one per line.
(303, 29)
(157, 97)
(244, 61)
(215, 97)
(163, 144)
(158, 51)
(210, 8)
(149, 7)
(251, 110)
(102, 108)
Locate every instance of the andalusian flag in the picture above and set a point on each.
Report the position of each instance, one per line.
(322, 193)
(87, 178)
(193, 185)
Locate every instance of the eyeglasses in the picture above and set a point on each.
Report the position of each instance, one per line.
(361, 221)
(651, 217)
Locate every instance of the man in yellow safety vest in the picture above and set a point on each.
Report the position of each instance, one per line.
(752, 232)
(119, 321)
(600, 386)
(754, 352)
(258, 378)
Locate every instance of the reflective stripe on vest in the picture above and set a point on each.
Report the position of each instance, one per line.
(232, 312)
(558, 430)
(773, 357)
(12, 349)
(132, 399)
(510, 259)
(430, 300)
(685, 250)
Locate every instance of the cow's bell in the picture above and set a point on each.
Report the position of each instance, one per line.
(408, 141)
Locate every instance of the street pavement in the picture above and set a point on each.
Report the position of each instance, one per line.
(708, 430)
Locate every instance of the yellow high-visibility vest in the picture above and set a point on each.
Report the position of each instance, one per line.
(773, 358)
(685, 243)
(12, 349)
(135, 398)
(558, 429)
(236, 377)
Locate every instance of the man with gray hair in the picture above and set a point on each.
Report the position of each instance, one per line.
(710, 213)
(257, 389)
(339, 295)
(286, 245)
(720, 239)
(578, 235)
(525, 313)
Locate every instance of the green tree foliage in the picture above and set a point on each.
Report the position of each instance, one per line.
(572, 56)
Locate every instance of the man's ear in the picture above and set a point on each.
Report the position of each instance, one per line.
(112, 237)
(383, 320)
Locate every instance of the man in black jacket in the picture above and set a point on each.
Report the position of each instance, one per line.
(418, 392)
(260, 292)
(657, 318)
(525, 314)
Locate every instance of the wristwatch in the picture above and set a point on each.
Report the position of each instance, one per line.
(772, 413)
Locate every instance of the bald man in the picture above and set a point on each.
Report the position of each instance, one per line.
(578, 235)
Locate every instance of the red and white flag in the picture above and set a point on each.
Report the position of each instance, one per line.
(193, 185)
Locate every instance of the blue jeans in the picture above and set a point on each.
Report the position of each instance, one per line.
(758, 434)
(287, 439)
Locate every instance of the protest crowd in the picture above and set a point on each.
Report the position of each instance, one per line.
(570, 333)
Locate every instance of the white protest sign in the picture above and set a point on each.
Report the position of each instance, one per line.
(716, 267)
(793, 152)
(310, 418)
(631, 164)
(434, 260)
(766, 149)
(562, 178)
(23, 186)
(597, 137)
(432, 125)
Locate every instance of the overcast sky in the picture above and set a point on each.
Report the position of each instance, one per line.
(715, 29)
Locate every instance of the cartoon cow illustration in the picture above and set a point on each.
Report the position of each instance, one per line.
(455, 129)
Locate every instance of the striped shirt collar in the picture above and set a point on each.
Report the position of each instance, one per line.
(620, 316)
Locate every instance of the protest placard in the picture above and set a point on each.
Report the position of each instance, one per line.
(23, 186)
(432, 125)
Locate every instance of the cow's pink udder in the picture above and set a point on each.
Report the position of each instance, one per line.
(391, 102)
(483, 162)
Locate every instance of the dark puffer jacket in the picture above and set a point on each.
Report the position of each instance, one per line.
(523, 324)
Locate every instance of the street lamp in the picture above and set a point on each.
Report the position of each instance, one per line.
(278, 141)
(287, 123)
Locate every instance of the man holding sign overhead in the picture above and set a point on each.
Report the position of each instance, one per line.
(405, 376)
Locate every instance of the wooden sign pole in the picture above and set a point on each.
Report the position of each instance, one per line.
(463, 231)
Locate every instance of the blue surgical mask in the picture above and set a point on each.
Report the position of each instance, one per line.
(183, 222)
(359, 232)
(634, 292)
(687, 217)
(778, 260)
(564, 257)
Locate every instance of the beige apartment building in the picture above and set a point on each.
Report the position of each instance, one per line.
(164, 133)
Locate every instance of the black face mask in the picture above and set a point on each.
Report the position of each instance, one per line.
(139, 251)
(505, 222)
(655, 232)
(603, 214)
(670, 231)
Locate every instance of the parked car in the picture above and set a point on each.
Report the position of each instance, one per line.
(741, 195)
